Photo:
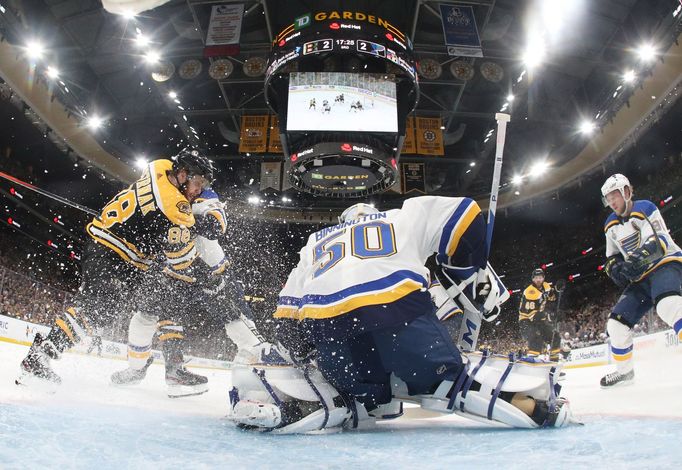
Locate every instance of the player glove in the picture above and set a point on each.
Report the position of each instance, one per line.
(642, 259)
(614, 269)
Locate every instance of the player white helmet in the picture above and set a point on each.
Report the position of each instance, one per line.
(357, 211)
(616, 182)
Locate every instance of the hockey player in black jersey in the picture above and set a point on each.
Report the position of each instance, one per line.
(538, 301)
(143, 238)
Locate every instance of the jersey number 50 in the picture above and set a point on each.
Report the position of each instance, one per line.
(367, 241)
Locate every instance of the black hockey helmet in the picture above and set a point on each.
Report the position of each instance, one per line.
(537, 272)
(194, 162)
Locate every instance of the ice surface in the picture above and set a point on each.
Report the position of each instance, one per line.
(89, 424)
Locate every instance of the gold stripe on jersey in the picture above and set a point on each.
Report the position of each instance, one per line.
(462, 225)
(169, 198)
(220, 217)
(611, 224)
(165, 323)
(666, 260)
(123, 249)
(66, 329)
(181, 252)
(638, 215)
(397, 292)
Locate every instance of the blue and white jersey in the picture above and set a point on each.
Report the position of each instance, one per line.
(626, 234)
(375, 260)
(208, 204)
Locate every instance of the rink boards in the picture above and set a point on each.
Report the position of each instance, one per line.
(13, 330)
(21, 332)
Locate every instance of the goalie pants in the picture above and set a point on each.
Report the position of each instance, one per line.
(420, 352)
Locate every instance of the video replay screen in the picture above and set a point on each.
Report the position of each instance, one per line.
(337, 101)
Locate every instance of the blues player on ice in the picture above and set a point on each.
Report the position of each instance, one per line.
(642, 259)
(358, 304)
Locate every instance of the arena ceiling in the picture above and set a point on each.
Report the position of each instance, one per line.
(99, 68)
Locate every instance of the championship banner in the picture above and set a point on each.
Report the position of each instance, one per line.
(460, 30)
(254, 134)
(409, 145)
(274, 142)
(413, 177)
(271, 175)
(224, 30)
(430, 136)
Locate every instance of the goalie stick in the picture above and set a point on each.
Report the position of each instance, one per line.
(471, 321)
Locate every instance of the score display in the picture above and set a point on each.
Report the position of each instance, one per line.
(321, 45)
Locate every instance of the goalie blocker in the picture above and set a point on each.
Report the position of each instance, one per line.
(492, 389)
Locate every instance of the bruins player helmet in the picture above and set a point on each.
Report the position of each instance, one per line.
(194, 162)
(537, 272)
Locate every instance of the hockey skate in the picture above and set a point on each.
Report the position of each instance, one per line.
(130, 376)
(36, 369)
(183, 383)
(615, 379)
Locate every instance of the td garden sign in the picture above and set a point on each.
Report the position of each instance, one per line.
(357, 16)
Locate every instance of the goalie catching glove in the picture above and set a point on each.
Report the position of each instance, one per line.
(481, 291)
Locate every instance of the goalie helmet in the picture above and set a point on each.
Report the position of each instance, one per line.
(616, 182)
(357, 211)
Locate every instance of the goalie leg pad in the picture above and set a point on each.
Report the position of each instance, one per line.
(477, 393)
(290, 400)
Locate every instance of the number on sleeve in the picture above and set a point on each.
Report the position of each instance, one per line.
(119, 209)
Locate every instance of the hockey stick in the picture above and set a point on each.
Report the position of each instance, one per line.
(467, 338)
(559, 287)
(55, 197)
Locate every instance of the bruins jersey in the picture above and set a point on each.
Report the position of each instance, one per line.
(534, 301)
(149, 221)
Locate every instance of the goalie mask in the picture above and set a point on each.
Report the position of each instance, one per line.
(357, 211)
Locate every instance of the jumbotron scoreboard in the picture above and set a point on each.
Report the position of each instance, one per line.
(342, 84)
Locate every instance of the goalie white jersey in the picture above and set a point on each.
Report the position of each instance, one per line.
(379, 258)
(624, 235)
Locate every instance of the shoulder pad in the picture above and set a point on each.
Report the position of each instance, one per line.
(643, 207)
(169, 199)
(611, 220)
(531, 293)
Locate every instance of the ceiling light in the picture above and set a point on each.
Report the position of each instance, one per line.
(152, 57)
(141, 40)
(629, 76)
(95, 122)
(128, 14)
(172, 95)
(52, 72)
(587, 127)
(517, 193)
(539, 168)
(517, 179)
(646, 52)
(534, 53)
(35, 49)
(510, 97)
(472, 163)
(141, 162)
